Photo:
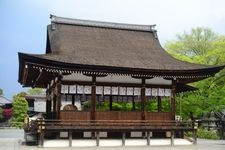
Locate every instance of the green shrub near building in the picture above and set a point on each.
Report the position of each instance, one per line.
(20, 107)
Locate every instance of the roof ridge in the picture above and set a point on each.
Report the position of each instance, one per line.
(62, 20)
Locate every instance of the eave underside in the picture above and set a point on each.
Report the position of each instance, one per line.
(36, 72)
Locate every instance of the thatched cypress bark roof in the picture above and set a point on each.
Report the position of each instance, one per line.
(102, 47)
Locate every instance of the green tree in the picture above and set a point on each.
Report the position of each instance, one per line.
(34, 91)
(1, 113)
(20, 107)
(194, 46)
(1, 91)
(202, 46)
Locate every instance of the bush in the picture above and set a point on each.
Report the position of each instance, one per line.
(1, 113)
(117, 106)
(207, 134)
(20, 107)
(103, 106)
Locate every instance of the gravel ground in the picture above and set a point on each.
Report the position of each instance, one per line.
(12, 139)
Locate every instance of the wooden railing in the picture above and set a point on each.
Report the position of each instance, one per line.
(114, 115)
(113, 125)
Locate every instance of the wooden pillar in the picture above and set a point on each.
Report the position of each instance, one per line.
(173, 99)
(41, 128)
(143, 100)
(93, 98)
(54, 107)
(93, 103)
(58, 99)
(172, 137)
(70, 138)
(48, 105)
(97, 138)
(41, 139)
(195, 128)
(133, 103)
(48, 108)
(123, 138)
(159, 104)
(148, 137)
(195, 136)
(143, 104)
(223, 130)
(110, 102)
(73, 100)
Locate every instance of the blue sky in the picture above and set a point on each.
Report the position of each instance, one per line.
(23, 23)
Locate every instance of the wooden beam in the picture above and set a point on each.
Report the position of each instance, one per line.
(38, 77)
(115, 84)
(24, 79)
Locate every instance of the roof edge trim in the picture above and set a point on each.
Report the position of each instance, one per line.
(70, 21)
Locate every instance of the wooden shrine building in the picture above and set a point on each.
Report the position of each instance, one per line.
(89, 63)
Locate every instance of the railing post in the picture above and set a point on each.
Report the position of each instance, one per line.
(172, 137)
(195, 136)
(148, 138)
(70, 138)
(97, 138)
(123, 138)
(41, 128)
(195, 128)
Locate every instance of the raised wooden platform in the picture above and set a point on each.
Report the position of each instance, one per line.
(122, 126)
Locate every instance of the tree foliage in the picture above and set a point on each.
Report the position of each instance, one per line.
(34, 91)
(20, 107)
(1, 113)
(201, 46)
(1, 91)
